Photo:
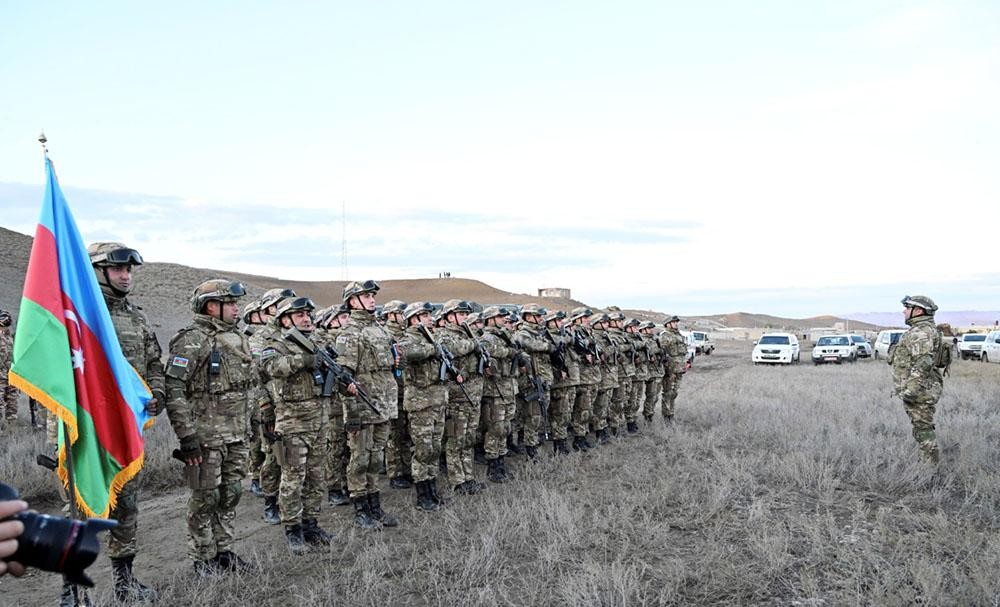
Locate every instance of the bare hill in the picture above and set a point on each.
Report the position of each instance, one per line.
(764, 321)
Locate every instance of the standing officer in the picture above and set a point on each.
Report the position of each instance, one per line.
(586, 355)
(916, 370)
(300, 421)
(499, 388)
(251, 322)
(113, 263)
(330, 323)
(675, 347)
(366, 351)
(565, 381)
(608, 356)
(533, 398)
(399, 449)
(462, 420)
(654, 383)
(209, 383)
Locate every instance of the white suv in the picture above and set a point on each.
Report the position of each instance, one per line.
(991, 348)
(702, 344)
(776, 348)
(970, 345)
(834, 349)
(864, 348)
(886, 340)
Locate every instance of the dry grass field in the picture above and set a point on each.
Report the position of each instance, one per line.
(777, 486)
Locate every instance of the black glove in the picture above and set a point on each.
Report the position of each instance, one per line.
(191, 447)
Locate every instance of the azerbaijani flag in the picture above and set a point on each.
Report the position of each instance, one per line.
(67, 357)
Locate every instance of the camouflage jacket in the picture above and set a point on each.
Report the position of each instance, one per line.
(501, 381)
(565, 339)
(590, 371)
(626, 353)
(914, 375)
(641, 353)
(654, 366)
(465, 351)
(209, 399)
(265, 393)
(139, 344)
(609, 358)
(675, 346)
(6, 352)
(529, 337)
(288, 368)
(323, 338)
(365, 348)
(421, 372)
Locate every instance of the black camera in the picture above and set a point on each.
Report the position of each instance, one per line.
(57, 544)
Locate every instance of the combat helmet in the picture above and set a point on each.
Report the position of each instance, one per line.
(218, 289)
(492, 312)
(615, 313)
(357, 288)
(633, 322)
(671, 318)
(273, 297)
(249, 309)
(294, 304)
(392, 307)
(920, 301)
(105, 254)
(600, 318)
(556, 315)
(417, 307)
(473, 318)
(532, 308)
(455, 305)
(581, 312)
(647, 325)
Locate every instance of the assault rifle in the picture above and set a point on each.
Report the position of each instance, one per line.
(328, 373)
(485, 360)
(447, 363)
(557, 356)
(538, 389)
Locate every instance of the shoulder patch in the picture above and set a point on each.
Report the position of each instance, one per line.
(268, 353)
(179, 361)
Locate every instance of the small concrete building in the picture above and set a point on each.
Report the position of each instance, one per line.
(554, 292)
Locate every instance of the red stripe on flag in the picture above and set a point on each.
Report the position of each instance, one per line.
(43, 266)
(97, 391)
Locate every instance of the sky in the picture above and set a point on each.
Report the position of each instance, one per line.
(780, 157)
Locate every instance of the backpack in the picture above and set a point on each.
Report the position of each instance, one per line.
(942, 358)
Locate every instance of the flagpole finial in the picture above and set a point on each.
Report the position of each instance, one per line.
(42, 139)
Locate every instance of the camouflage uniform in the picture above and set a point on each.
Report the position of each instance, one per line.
(255, 442)
(609, 356)
(529, 337)
(365, 349)
(499, 387)
(267, 396)
(337, 453)
(675, 346)
(621, 397)
(916, 378)
(425, 401)
(8, 393)
(638, 396)
(654, 381)
(563, 388)
(462, 417)
(208, 406)
(399, 449)
(301, 417)
(590, 379)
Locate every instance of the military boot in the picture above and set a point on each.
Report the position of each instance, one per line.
(74, 596)
(515, 448)
(375, 509)
(401, 482)
(433, 484)
(272, 515)
(649, 418)
(603, 436)
(315, 535)
(228, 561)
(127, 588)
(255, 488)
(469, 487)
(425, 501)
(296, 539)
(479, 456)
(531, 451)
(362, 517)
(338, 497)
(493, 472)
(580, 444)
(559, 447)
(502, 463)
(632, 428)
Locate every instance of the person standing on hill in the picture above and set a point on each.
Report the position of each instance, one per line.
(916, 370)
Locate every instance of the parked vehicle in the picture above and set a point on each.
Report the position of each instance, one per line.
(776, 348)
(834, 349)
(970, 345)
(885, 341)
(991, 348)
(864, 349)
(702, 343)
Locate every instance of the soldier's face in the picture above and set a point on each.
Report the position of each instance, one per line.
(343, 318)
(302, 320)
(230, 311)
(458, 317)
(120, 277)
(365, 301)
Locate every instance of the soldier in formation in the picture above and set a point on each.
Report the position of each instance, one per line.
(331, 321)
(8, 393)
(675, 346)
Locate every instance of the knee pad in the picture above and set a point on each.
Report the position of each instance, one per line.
(229, 495)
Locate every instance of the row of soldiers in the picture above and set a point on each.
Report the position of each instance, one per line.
(314, 403)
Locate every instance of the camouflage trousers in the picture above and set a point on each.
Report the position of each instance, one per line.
(257, 448)
(270, 471)
(461, 421)
(399, 449)
(215, 491)
(121, 539)
(367, 447)
(529, 416)
(602, 407)
(497, 415)
(426, 430)
(583, 405)
(8, 402)
(303, 475)
(337, 455)
(561, 411)
(671, 385)
(922, 420)
(620, 399)
(636, 399)
(653, 388)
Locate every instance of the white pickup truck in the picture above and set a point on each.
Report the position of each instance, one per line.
(971, 345)
(702, 343)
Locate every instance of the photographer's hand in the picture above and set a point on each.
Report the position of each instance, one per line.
(9, 532)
